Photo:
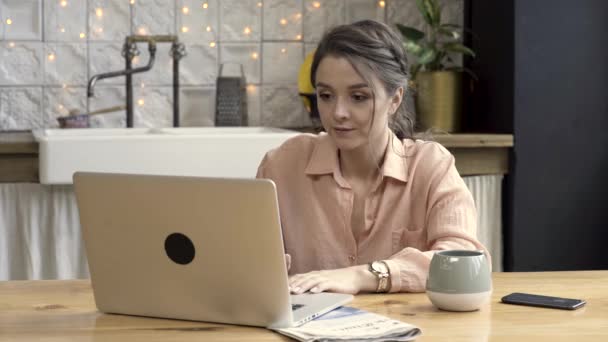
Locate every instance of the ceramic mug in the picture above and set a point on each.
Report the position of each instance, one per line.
(459, 280)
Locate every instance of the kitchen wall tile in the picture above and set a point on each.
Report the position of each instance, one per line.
(197, 106)
(249, 55)
(241, 20)
(65, 21)
(65, 63)
(20, 63)
(21, 108)
(153, 107)
(25, 18)
(199, 66)
(281, 107)
(310, 48)
(59, 101)
(404, 12)
(364, 9)
(282, 20)
(105, 97)
(105, 57)
(319, 16)
(152, 17)
(281, 62)
(254, 105)
(109, 20)
(197, 21)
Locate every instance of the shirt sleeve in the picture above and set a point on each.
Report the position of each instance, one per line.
(451, 223)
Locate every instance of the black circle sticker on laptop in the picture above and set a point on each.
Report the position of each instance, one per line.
(179, 248)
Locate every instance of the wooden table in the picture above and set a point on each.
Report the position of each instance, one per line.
(65, 311)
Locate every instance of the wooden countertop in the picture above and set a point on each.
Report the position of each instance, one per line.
(65, 310)
(475, 154)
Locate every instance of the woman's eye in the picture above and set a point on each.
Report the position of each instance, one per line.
(324, 96)
(359, 97)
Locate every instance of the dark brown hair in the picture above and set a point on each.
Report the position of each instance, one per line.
(372, 48)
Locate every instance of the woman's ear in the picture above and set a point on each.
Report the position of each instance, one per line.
(396, 100)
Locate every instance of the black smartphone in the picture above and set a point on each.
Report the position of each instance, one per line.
(543, 301)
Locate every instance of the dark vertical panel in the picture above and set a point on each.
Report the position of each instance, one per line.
(559, 182)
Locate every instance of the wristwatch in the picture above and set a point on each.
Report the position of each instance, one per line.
(381, 271)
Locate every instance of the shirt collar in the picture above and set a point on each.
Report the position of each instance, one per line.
(324, 159)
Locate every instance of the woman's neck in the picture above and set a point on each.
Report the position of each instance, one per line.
(364, 163)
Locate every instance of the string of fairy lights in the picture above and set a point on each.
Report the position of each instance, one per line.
(247, 30)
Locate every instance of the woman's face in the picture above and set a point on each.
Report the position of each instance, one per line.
(345, 103)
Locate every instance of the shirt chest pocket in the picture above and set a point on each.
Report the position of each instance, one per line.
(412, 237)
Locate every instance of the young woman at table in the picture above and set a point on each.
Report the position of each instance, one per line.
(364, 205)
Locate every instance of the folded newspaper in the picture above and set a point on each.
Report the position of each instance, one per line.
(346, 323)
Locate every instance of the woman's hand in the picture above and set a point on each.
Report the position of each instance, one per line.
(344, 280)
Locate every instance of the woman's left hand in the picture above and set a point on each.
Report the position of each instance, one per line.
(344, 280)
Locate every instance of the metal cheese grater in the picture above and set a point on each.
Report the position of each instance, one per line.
(231, 99)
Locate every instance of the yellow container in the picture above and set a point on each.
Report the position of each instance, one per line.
(439, 100)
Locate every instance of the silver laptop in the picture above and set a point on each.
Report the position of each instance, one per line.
(203, 249)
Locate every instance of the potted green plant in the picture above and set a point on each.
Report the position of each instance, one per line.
(437, 81)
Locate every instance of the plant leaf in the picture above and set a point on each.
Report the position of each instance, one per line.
(413, 48)
(427, 56)
(449, 33)
(410, 33)
(423, 10)
(457, 47)
(437, 12)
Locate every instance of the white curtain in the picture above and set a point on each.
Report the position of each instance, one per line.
(40, 232)
(487, 192)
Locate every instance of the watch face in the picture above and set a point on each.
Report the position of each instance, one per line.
(379, 267)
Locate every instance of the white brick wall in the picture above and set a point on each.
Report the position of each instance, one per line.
(50, 48)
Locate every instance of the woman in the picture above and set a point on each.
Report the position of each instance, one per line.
(364, 206)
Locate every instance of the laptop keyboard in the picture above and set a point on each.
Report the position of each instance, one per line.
(295, 307)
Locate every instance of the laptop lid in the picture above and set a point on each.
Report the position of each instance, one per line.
(193, 248)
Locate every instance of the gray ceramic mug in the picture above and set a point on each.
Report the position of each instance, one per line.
(459, 280)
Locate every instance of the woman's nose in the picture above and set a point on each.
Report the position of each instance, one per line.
(340, 110)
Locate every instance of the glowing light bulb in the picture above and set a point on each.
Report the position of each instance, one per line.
(208, 29)
(299, 37)
(185, 29)
(99, 12)
(63, 3)
(60, 106)
(212, 44)
(51, 56)
(142, 85)
(99, 29)
(82, 35)
(11, 44)
(247, 30)
(135, 60)
(298, 15)
(251, 88)
(185, 10)
(283, 21)
(142, 30)
(283, 50)
(132, 2)
(316, 4)
(9, 21)
(260, 4)
(254, 55)
(141, 102)
(205, 5)
(381, 3)
(62, 30)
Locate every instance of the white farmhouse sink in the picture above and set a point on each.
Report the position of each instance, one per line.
(198, 151)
